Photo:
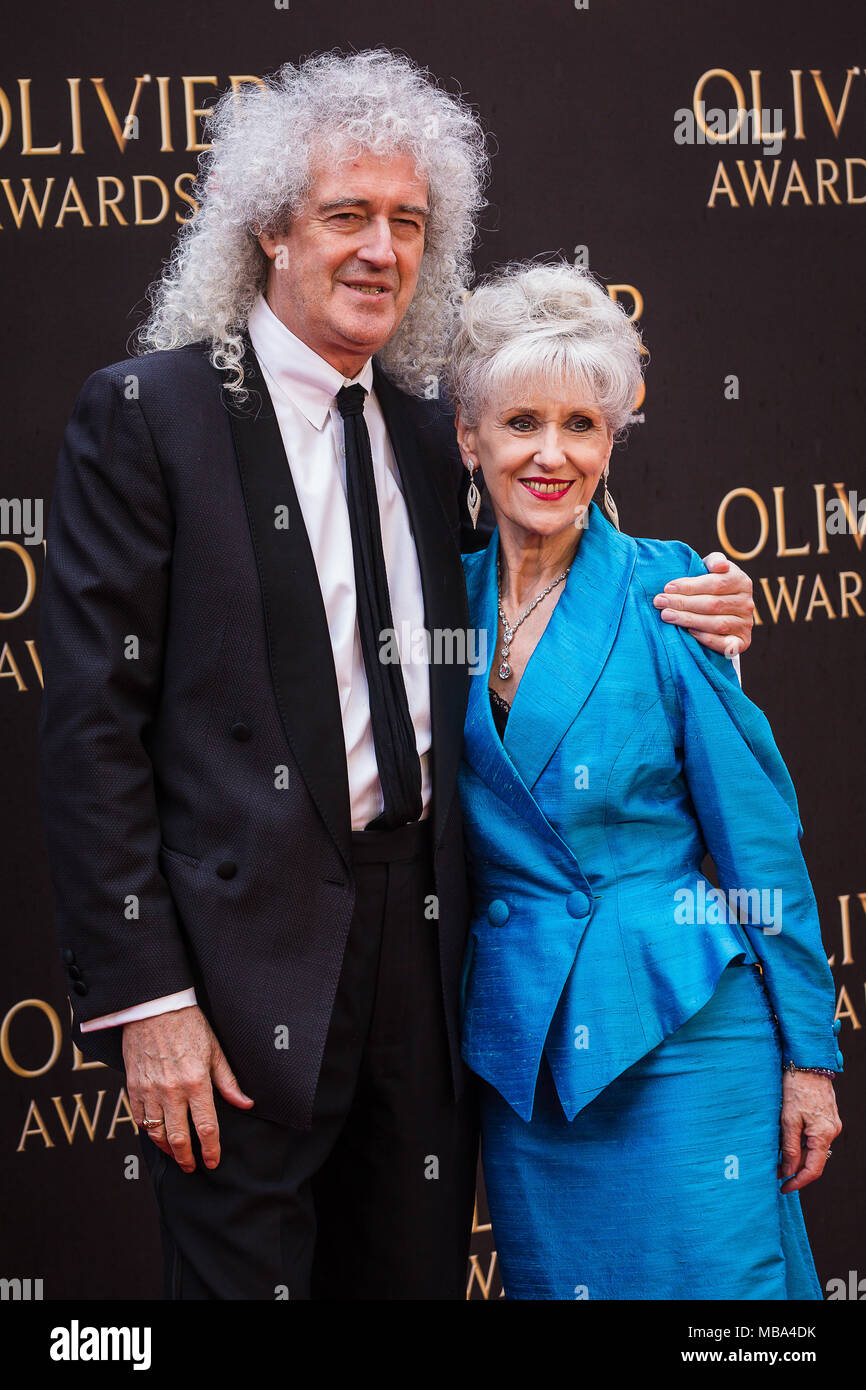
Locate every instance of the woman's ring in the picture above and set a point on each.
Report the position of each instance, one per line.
(152, 1124)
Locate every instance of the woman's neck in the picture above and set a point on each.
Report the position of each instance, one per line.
(528, 563)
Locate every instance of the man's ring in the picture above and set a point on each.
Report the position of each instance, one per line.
(152, 1124)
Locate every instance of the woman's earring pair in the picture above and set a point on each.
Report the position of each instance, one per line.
(473, 498)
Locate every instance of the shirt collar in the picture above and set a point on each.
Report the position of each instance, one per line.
(307, 379)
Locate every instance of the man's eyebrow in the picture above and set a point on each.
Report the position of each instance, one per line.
(349, 202)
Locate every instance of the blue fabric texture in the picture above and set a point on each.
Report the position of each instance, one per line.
(665, 1186)
(630, 752)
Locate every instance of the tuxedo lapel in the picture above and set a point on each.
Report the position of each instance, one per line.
(299, 645)
(445, 610)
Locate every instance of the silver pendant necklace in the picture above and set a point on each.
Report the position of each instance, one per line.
(507, 630)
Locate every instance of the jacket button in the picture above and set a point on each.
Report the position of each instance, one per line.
(840, 1060)
(577, 904)
(74, 973)
(227, 869)
(80, 987)
(837, 1026)
(67, 956)
(241, 732)
(498, 913)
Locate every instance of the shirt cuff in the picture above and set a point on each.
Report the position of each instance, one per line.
(184, 999)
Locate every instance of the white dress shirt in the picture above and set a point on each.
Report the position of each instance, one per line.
(303, 387)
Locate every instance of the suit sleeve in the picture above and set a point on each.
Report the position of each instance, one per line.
(102, 620)
(747, 807)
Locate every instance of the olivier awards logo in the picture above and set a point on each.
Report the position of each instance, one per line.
(794, 525)
(32, 1046)
(769, 135)
(20, 573)
(161, 118)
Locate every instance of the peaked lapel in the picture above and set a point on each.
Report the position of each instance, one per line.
(299, 644)
(573, 648)
(564, 667)
(483, 748)
(443, 588)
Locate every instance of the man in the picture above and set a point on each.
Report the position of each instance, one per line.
(252, 818)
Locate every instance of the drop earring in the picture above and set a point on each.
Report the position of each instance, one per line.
(473, 497)
(607, 501)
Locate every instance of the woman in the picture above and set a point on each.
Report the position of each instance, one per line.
(630, 1023)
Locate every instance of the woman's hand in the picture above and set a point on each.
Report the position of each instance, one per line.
(810, 1122)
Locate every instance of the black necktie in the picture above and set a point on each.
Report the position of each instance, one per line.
(393, 733)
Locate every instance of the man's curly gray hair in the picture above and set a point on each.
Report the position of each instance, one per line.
(264, 141)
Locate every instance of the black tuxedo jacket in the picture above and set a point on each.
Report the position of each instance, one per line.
(193, 777)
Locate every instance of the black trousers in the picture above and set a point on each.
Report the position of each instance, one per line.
(375, 1201)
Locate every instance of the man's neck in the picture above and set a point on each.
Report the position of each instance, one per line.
(347, 363)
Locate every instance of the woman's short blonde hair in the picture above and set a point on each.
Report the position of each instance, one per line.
(534, 322)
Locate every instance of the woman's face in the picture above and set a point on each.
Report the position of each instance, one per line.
(541, 456)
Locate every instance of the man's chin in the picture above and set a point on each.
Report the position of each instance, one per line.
(365, 336)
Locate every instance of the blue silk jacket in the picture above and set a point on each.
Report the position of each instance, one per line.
(630, 752)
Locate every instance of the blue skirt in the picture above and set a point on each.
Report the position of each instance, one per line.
(665, 1186)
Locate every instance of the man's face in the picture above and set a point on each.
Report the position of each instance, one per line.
(343, 274)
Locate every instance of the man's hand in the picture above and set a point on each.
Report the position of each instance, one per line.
(810, 1122)
(717, 608)
(170, 1062)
